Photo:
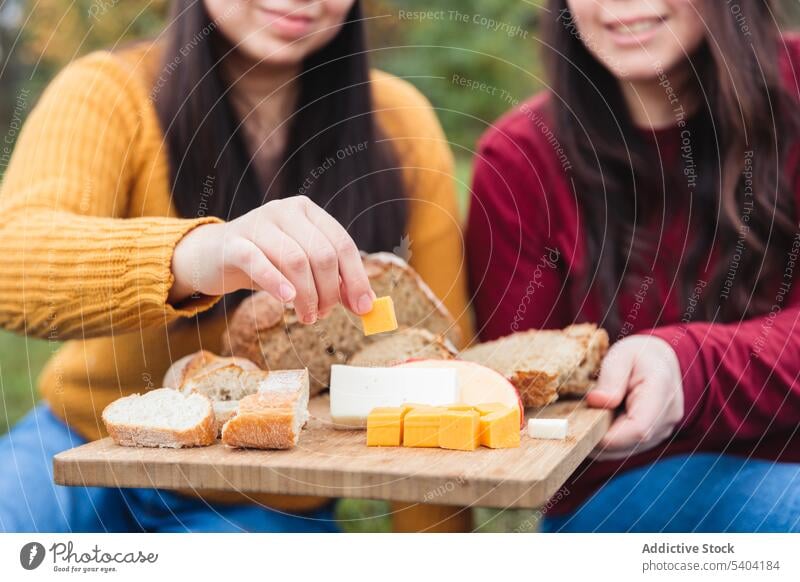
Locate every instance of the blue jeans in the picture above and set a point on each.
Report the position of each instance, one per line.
(702, 492)
(31, 502)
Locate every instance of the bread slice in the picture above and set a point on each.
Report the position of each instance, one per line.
(406, 344)
(264, 331)
(594, 344)
(224, 410)
(543, 364)
(273, 417)
(161, 418)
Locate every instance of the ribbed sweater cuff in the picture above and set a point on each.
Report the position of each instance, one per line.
(148, 274)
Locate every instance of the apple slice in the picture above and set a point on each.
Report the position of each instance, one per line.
(477, 384)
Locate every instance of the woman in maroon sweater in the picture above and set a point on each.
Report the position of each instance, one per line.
(653, 189)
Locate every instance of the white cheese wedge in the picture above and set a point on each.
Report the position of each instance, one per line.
(356, 391)
(547, 428)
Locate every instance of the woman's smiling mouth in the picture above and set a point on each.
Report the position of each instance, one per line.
(635, 31)
(290, 25)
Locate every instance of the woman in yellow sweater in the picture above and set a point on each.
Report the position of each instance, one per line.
(152, 187)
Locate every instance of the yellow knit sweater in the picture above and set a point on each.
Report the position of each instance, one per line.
(87, 231)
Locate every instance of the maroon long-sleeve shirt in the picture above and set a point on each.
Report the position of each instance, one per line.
(526, 249)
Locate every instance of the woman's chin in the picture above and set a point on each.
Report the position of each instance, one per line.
(638, 70)
(641, 65)
(274, 52)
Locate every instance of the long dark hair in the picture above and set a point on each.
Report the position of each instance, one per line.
(209, 163)
(747, 121)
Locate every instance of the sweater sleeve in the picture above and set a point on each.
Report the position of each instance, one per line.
(515, 269)
(740, 379)
(73, 264)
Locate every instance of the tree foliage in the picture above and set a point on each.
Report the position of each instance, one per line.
(473, 59)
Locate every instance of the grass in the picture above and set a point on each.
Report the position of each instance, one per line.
(463, 180)
(365, 515)
(21, 360)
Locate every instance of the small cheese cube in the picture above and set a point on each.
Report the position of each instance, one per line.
(488, 407)
(381, 318)
(547, 428)
(500, 429)
(459, 430)
(407, 406)
(462, 407)
(421, 427)
(385, 427)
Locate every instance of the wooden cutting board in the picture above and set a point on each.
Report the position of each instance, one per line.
(336, 463)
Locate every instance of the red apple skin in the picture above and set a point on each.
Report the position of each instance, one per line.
(521, 411)
(435, 362)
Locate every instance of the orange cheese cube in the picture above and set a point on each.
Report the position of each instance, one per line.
(412, 405)
(462, 407)
(385, 427)
(421, 427)
(500, 429)
(381, 318)
(409, 406)
(460, 430)
(488, 407)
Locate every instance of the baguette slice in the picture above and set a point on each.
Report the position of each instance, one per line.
(163, 418)
(269, 334)
(544, 364)
(406, 344)
(224, 410)
(273, 417)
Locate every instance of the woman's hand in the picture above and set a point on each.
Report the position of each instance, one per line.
(643, 372)
(290, 248)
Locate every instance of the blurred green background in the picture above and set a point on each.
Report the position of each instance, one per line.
(494, 42)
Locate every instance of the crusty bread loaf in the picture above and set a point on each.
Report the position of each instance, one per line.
(273, 417)
(265, 332)
(545, 363)
(161, 418)
(221, 379)
(193, 364)
(197, 362)
(230, 382)
(406, 344)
